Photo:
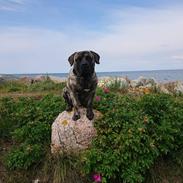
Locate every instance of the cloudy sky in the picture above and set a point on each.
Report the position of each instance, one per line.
(37, 36)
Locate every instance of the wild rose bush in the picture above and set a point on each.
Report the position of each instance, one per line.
(26, 122)
(132, 134)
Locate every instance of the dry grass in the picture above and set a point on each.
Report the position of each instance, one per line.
(29, 94)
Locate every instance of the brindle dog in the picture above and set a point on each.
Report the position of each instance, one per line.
(81, 83)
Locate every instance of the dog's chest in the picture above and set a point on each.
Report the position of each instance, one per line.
(85, 84)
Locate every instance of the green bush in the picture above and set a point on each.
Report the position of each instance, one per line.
(104, 101)
(17, 113)
(40, 86)
(33, 133)
(24, 156)
(28, 122)
(132, 134)
(7, 106)
(12, 86)
(46, 85)
(178, 157)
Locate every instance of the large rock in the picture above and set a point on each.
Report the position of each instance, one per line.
(178, 87)
(162, 89)
(142, 81)
(56, 79)
(26, 79)
(41, 78)
(137, 82)
(68, 135)
(175, 87)
(2, 80)
(7, 77)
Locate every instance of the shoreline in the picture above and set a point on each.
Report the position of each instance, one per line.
(123, 83)
(159, 75)
(60, 79)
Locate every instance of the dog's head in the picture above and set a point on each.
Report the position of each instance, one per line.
(84, 62)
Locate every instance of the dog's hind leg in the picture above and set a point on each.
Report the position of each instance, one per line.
(67, 99)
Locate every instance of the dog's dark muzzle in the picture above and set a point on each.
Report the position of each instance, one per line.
(86, 68)
(85, 64)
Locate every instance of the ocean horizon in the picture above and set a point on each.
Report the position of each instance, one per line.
(159, 75)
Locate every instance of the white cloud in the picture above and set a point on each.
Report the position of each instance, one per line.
(17, 1)
(178, 57)
(7, 8)
(144, 31)
(11, 5)
(135, 39)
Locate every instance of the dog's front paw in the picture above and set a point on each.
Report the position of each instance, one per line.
(76, 116)
(90, 114)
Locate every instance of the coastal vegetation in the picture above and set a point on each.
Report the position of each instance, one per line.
(139, 138)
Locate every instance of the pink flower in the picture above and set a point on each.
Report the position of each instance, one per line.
(106, 90)
(97, 98)
(97, 177)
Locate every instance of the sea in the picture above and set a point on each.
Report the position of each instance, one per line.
(158, 75)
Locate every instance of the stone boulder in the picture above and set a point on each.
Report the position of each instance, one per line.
(8, 77)
(178, 87)
(68, 135)
(142, 81)
(26, 79)
(137, 82)
(56, 79)
(162, 89)
(41, 78)
(1, 80)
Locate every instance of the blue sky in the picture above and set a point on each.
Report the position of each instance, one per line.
(39, 35)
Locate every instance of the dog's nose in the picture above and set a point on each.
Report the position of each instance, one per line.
(85, 64)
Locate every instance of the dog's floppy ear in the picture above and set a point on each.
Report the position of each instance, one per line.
(96, 57)
(71, 59)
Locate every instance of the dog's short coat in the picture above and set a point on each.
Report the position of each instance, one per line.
(81, 83)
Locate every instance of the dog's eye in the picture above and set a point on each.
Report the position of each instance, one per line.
(88, 58)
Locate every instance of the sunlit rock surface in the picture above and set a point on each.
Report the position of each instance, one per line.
(69, 135)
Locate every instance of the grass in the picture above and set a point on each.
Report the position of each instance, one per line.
(21, 87)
